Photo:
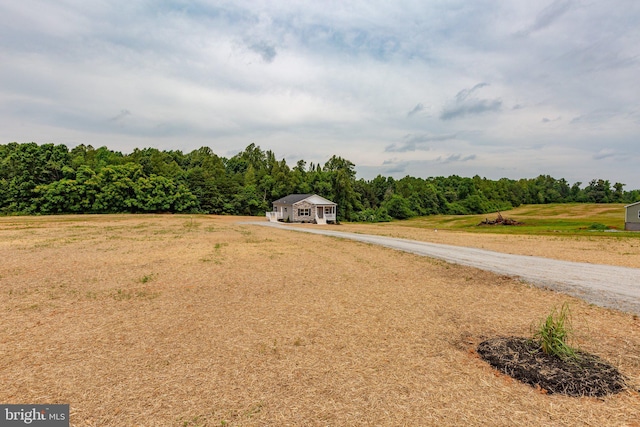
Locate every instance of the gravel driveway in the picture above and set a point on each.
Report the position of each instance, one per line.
(603, 285)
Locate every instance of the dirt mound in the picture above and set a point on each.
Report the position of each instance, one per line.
(523, 360)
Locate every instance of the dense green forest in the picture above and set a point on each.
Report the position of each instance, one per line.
(51, 179)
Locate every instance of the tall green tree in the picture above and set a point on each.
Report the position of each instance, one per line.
(598, 191)
(341, 174)
(207, 179)
(23, 167)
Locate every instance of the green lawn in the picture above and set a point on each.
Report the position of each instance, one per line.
(573, 218)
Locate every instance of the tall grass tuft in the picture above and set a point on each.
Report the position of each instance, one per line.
(553, 333)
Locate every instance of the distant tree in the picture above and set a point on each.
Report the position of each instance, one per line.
(476, 204)
(160, 163)
(162, 194)
(398, 207)
(116, 188)
(598, 191)
(618, 193)
(23, 167)
(207, 179)
(341, 174)
(299, 178)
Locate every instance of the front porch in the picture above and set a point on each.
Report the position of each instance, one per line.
(324, 214)
(274, 216)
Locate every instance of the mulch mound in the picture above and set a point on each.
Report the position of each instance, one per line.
(525, 361)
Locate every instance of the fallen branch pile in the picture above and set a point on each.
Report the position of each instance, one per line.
(500, 220)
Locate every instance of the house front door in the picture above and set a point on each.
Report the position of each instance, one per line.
(320, 212)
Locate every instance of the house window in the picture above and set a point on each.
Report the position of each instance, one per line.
(304, 212)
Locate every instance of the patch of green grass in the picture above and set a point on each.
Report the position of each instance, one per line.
(142, 225)
(162, 231)
(553, 333)
(191, 224)
(196, 421)
(245, 232)
(45, 244)
(17, 292)
(215, 256)
(127, 294)
(146, 278)
(266, 348)
(122, 295)
(254, 410)
(35, 307)
(146, 294)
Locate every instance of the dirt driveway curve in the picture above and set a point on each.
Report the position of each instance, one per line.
(603, 285)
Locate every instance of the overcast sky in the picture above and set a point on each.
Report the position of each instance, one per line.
(512, 88)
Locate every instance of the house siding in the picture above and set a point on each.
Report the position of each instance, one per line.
(303, 205)
(632, 217)
(632, 226)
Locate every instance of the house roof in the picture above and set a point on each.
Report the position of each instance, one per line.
(292, 198)
(311, 198)
(632, 204)
(317, 200)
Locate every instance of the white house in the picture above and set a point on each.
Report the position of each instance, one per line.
(303, 208)
(632, 217)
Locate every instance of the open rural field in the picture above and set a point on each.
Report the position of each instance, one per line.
(171, 320)
(554, 231)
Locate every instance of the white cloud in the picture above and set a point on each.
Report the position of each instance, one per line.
(451, 87)
(467, 103)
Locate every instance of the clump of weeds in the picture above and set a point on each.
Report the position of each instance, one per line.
(553, 333)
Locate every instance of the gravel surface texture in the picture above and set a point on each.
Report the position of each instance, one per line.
(603, 285)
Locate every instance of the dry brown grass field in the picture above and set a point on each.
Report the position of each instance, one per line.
(168, 320)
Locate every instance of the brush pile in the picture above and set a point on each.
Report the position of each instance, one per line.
(500, 220)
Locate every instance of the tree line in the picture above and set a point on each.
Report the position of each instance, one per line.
(51, 179)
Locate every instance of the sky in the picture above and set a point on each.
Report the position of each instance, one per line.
(500, 88)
